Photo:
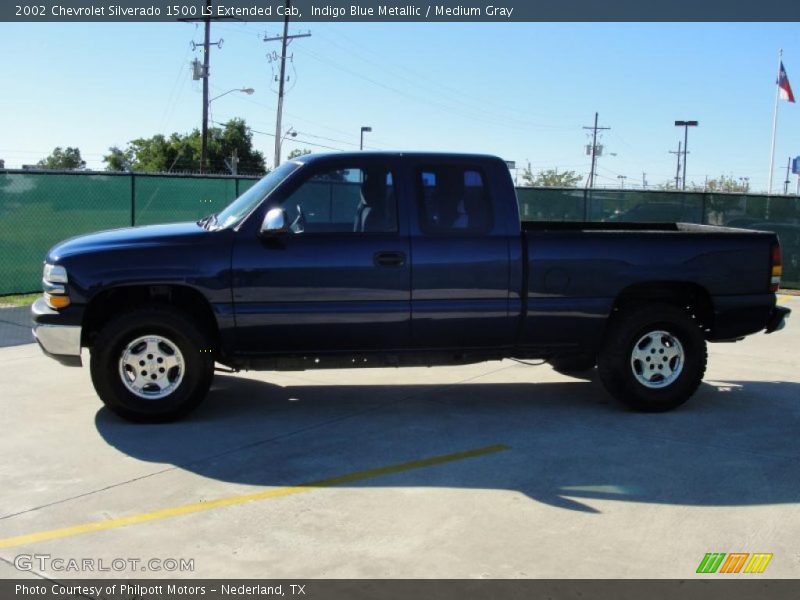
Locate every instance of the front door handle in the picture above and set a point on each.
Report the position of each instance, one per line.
(390, 259)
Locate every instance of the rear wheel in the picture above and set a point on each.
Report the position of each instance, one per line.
(151, 365)
(654, 357)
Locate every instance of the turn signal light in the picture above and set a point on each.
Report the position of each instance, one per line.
(57, 301)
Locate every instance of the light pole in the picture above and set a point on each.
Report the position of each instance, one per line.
(685, 125)
(291, 133)
(622, 179)
(204, 141)
(363, 131)
(249, 91)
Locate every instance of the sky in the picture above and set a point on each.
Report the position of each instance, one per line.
(523, 91)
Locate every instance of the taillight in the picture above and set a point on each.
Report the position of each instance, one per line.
(775, 274)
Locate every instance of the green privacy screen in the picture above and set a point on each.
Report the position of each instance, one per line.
(39, 209)
(164, 199)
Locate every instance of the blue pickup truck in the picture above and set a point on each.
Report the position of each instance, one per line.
(398, 259)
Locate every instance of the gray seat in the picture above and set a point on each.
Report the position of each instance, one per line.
(371, 215)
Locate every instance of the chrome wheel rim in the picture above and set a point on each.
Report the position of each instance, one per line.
(657, 359)
(151, 367)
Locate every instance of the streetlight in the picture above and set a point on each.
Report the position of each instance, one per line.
(291, 133)
(685, 125)
(363, 131)
(249, 91)
(622, 179)
(204, 141)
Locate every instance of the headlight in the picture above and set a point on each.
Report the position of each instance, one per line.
(54, 274)
(53, 280)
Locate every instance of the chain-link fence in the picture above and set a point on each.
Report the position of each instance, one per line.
(40, 208)
(780, 214)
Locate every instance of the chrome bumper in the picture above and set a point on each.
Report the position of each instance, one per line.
(60, 342)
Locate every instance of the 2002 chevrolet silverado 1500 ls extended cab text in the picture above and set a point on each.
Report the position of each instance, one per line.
(396, 259)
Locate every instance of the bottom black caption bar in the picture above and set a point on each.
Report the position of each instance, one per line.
(212, 589)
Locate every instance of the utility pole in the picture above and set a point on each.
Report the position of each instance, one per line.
(644, 181)
(285, 40)
(786, 181)
(206, 63)
(685, 125)
(204, 75)
(594, 130)
(678, 168)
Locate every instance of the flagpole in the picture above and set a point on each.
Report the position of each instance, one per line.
(775, 123)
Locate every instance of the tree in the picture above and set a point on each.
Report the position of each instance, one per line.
(63, 158)
(297, 153)
(117, 160)
(181, 152)
(723, 184)
(549, 178)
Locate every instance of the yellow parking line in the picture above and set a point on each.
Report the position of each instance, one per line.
(784, 299)
(195, 507)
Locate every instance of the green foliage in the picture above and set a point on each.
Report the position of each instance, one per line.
(723, 184)
(550, 178)
(117, 159)
(63, 158)
(297, 152)
(181, 152)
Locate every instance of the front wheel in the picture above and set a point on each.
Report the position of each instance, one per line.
(151, 365)
(654, 357)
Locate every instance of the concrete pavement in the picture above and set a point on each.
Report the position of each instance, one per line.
(575, 486)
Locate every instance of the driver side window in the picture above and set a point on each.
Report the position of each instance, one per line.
(347, 200)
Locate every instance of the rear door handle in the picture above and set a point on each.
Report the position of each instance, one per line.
(390, 259)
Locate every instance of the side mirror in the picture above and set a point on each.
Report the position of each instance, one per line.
(275, 223)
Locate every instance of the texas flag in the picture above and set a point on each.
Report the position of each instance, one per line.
(784, 89)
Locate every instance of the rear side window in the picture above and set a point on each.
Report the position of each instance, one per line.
(453, 200)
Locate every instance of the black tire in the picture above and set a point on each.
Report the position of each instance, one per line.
(197, 367)
(576, 363)
(615, 361)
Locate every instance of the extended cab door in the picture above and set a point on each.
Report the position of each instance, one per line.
(340, 279)
(461, 263)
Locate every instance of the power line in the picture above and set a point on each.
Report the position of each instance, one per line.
(296, 140)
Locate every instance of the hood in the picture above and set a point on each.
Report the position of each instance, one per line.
(148, 235)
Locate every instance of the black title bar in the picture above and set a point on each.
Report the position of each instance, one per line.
(409, 11)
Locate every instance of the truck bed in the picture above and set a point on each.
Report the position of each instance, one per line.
(577, 270)
(620, 226)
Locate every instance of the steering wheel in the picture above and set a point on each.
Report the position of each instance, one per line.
(299, 224)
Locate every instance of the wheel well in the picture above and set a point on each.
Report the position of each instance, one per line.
(688, 296)
(109, 303)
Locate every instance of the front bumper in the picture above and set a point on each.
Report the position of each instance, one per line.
(777, 319)
(60, 342)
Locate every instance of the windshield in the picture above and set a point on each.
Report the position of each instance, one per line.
(241, 207)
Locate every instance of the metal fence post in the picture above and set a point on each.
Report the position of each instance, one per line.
(133, 200)
(236, 187)
(703, 218)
